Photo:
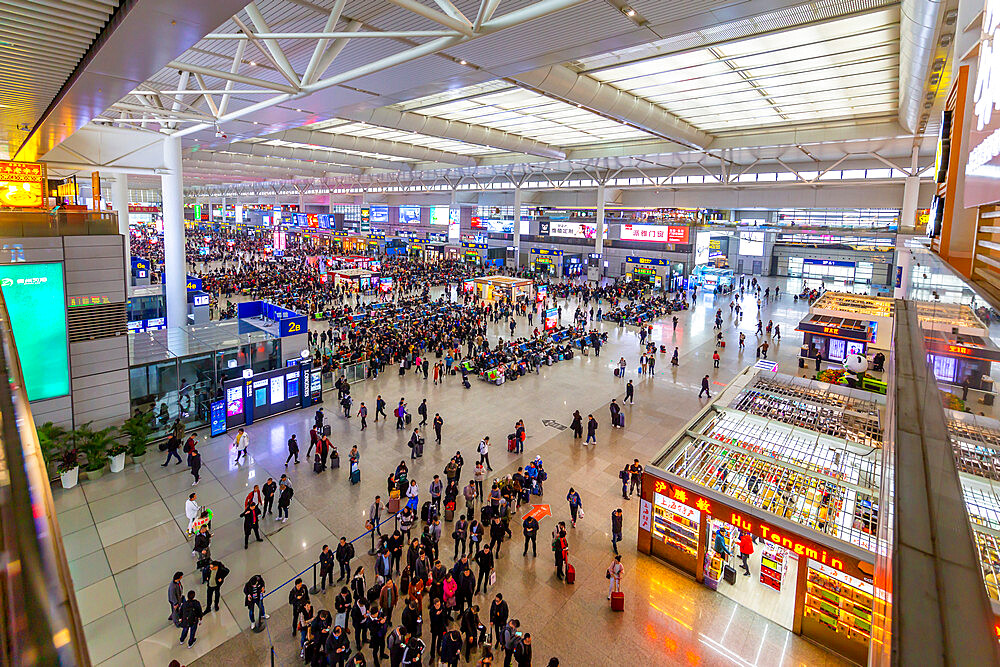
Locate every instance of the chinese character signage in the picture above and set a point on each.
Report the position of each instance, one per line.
(22, 184)
(655, 233)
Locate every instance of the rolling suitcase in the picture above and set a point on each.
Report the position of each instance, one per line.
(326, 430)
(617, 602)
(355, 474)
(729, 574)
(449, 511)
(621, 420)
(570, 574)
(392, 506)
(408, 418)
(318, 465)
(334, 462)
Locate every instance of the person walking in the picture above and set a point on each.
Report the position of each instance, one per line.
(629, 393)
(379, 408)
(251, 523)
(484, 453)
(560, 547)
(704, 388)
(530, 528)
(400, 413)
(293, 450)
(437, 423)
(191, 614)
(173, 444)
(363, 415)
(715, 359)
(484, 559)
(575, 504)
(422, 411)
(241, 443)
(192, 510)
(616, 528)
(615, 572)
(194, 461)
(591, 430)
(577, 425)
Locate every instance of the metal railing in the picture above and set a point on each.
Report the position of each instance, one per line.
(40, 621)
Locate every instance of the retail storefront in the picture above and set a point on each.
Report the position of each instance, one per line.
(496, 288)
(959, 345)
(546, 261)
(474, 253)
(840, 324)
(794, 465)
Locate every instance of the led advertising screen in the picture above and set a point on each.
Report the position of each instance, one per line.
(752, 244)
(23, 184)
(655, 233)
(409, 215)
(379, 214)
(551, 318)
(454, 225)
(440, 215)
(576, 230)
(37, 306)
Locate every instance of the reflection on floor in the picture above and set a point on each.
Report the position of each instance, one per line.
(125, 536)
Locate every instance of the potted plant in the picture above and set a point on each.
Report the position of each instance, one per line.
(51, 440)
(69, 466)
(95, 444)
(117, 453)
(137, 428)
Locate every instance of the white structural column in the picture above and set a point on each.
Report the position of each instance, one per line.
(174, 272)
(119, 202)
(517, 228)
(599, 245)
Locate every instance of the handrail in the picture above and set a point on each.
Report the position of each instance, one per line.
(41, 621)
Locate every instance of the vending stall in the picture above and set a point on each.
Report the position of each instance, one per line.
(796, 464)
(959, 348)
(710, 277)
(495, 288)
(356, 280)
(840, 324)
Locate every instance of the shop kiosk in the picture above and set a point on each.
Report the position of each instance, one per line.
(958, 344)
(356, 280)
(494, 288)
(840, 324)
(797, 464)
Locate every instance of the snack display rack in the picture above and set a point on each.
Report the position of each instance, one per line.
(840, 603)
(772, 566)
(676, 530)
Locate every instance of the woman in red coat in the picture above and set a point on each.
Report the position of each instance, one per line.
(746, 549)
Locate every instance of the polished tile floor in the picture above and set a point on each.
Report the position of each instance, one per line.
(125, 534)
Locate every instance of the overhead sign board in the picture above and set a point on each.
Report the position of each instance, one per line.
(655, 233)
(23, 184)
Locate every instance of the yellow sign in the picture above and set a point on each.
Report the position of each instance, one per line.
(22, 184)
(66, 189)
(294, 327)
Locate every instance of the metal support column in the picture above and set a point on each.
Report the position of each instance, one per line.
(173, 234)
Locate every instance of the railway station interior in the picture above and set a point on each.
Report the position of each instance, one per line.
(483, 300)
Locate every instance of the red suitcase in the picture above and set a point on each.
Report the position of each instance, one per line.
(617, 602)
(570, 574)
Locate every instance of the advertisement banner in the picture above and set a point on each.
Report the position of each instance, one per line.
(379, 214)
(454, 225)
(551, 318)
(982, 171)
(496, 226)
(440, 215)
(576, 230)
(655, 233)
(23, 184)
(409, 215)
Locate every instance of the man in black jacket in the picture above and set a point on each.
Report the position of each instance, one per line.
(530, 526)
(484, 559)
(190, 617)
(325, 566)
(297, 596)
(522, 651)
(251, 523)
(217, 573)
(616, 528)
(470, 628)
(269, 489)
(338, 647)
(499, 612)
(345, 552)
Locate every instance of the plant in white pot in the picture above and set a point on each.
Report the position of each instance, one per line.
(95, 444)
(51, 440)
(137, 428)
(69, 466)
(117, 454)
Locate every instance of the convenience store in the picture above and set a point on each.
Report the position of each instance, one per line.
(796, 464)
(840, 324)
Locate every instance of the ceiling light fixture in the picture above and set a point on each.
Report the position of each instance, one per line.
(628, 11)
(253, 64)
(462, 62)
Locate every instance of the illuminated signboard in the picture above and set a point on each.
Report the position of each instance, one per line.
(546, 252)
(409, 215)
(800, 545)
(982, 171)
(36, 303)
(440, 215)
(23, 184)
(655, 233)
(379, 214)
(577, 230)
(644, 271)
(652, 261)
(69, 189)
(75, 301)
(551, 318)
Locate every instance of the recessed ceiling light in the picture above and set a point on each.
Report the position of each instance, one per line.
(253, 64)
(628, 11)
(462, 62)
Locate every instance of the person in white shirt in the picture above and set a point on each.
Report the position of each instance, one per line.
(413, 495)
(484, 452)
(241, 442)
(191, 510)
(615, 572)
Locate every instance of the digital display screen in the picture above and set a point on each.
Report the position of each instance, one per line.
(551, 318)
(234, 401)
(37, 306)
(218, 418)
(837, 350)
(409, 215)
(380, 214)
(944, 368)
(440, 215)
(292, 385)
(277, 389)
(854, 347)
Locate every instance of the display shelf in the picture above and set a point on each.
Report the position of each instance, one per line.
(855, 303)
(840, 602)
(772, 567)
(677, 531)
(989, 559)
